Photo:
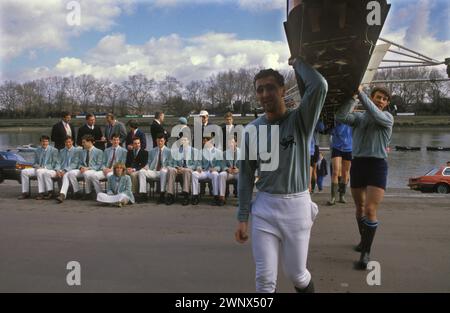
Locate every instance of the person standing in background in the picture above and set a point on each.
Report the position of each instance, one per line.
(322, 170)
(156, 128)
(135, 132)
(61, 130)
(114, 127)
(91, 129)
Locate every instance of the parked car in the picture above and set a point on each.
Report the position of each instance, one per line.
(11, 164)
(436, 180)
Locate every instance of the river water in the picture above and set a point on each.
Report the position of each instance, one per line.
(402, 165)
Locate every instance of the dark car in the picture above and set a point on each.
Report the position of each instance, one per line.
(436, 180)
(11, 164)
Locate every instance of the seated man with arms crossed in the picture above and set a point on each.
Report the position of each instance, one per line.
(159, 160)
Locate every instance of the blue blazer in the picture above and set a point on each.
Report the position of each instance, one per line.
(153, 158)
(121, 156)
(46, 158)
(95, 159)
(123, 186)
(68, 159)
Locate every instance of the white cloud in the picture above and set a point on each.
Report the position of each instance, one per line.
(41, 24)
(185, 58)
(416, 34)
(252, 5)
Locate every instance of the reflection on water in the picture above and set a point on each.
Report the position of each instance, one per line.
(402, 164)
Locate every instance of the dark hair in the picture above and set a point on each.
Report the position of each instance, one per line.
(133, 124)
(228, 114)
(382, 90)
(158, 114)
(65, 113)
(160, 135)
(88, 138)
(68, 137)
(44, 137)
(115, 135)
(110, 115)
(136, 138)
(89, 115)
(269, 73)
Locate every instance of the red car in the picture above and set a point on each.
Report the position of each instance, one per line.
(436, 180)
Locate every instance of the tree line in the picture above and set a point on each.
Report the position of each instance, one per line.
(423, 98)
(226, 91)
(45, 97)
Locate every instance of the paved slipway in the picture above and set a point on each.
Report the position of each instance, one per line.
(156, 248)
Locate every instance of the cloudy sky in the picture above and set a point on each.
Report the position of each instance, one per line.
(188, 39)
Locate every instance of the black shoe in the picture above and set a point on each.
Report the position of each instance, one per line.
(162, 198)
(195, 200)
(24, 196)
(215, 202)
(40, 196)
(142, 197)
(60, 198)
(185, 199)
(307, 289)
(170, 199)
(87, 196)
(78, 195)
(220, 201)
(49, 196)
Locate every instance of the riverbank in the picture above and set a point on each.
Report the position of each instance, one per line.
(400, 122)
(159, 248)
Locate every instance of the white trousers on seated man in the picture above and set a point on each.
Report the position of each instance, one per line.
(224, 177)
(197, 177)
(44, 179)
(107, 198)
(144, 174)
(96, 178)
(71, 178)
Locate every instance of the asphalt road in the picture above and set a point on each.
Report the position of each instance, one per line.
(156, 248)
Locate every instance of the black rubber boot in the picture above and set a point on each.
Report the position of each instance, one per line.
(307, 289)
(368, 233)
(359, 221)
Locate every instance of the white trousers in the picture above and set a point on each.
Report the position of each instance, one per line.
(144, 174)
(197, 177)
(223, 178)
(44, 179)
(71, 178)
(281, 224)
(105, 198)
(95, 180)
